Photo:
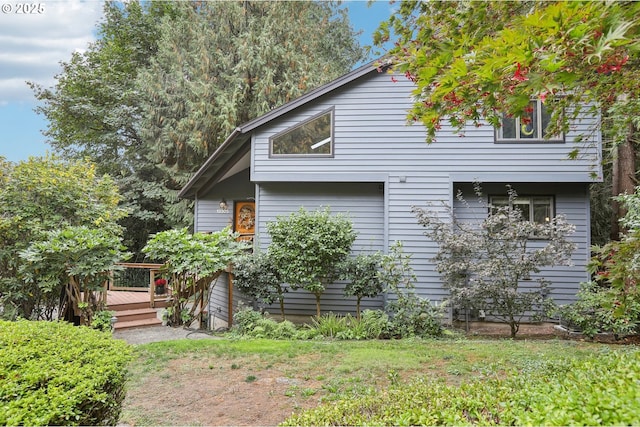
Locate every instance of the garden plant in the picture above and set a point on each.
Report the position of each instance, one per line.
(56, 374)
(308, 247)
(192, 262)
(490, 264)
(610, 302)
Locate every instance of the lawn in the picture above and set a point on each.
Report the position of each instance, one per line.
(263, 382)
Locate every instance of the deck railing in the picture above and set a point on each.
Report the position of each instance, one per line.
(141, 285)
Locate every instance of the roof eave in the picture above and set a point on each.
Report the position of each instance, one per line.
(190, 190)
(186, 192)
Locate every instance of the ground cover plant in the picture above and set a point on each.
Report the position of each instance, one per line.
(56, 374)
(263, 382)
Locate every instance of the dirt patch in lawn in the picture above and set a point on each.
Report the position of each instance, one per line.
(195, 392)
(499, 330)
(258, 391)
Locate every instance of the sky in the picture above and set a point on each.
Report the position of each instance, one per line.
(36, 36)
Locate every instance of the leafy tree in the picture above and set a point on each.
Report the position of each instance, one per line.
(94, 110)
(256, 276)
(363, 275)
(472, 62)
(308, 247)
(42, 195)
(192, 262)
(74, 262)
(484, 264)
(166, 82)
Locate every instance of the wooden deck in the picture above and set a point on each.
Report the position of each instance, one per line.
(127, 297)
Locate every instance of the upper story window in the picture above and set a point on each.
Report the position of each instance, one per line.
(313, 137)
(537, 209)
(531, 127)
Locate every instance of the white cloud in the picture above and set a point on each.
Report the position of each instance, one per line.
(32, 45)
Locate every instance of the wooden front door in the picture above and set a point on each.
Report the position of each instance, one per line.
(245, 220)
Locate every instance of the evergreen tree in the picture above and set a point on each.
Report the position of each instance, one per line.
(166, 82)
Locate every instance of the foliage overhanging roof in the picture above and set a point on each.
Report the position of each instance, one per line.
(239, 142)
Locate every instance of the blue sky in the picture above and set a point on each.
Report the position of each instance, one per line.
(32, 45)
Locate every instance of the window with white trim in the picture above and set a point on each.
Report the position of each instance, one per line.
(532, 126)
(313, 137)
(538, 209)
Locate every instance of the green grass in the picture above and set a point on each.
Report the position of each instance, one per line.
(346, 369)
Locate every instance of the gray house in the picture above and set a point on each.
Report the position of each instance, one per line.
(347, 145)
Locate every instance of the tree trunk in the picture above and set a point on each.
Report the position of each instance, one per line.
(318, 295)
(514, 328)
(623, 179)
(281, 299)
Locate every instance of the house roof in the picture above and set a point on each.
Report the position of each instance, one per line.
(238, 144)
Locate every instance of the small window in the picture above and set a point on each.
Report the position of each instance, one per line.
(538, 209)
(313, 137)
(532, 126)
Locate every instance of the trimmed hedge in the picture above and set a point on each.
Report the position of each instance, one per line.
(57, 374)
(601, 390)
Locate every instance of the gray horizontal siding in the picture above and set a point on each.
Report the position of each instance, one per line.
(363, 203)
(371, 135)
(207, 215)
(219, 301)
(571, 200)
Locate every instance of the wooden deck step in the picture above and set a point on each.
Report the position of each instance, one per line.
(137, 323)
(129, 306)
(133, 309)
(136, 314)
(136, 318)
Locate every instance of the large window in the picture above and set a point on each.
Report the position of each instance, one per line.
(313, 137)
(529, 128)
(538, 209)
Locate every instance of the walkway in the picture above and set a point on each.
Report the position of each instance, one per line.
(160, 333)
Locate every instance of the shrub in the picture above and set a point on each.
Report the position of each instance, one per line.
(611, 301)
(410, 314)
(75, 261)
(37, 197)
(595, 311)
(307, 249)
(601, 390)
(102, 320)
(193, 262)
(256, 276)
(57, 374)
(330, 325)
(362, 272)
(248, 322)
(485, 264)
(245, 320)
(373, 324)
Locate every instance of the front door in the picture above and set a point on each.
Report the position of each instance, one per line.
(245, 220)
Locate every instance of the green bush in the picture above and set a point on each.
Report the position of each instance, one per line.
(57, 374)
(600, 390)
(595, 311)
(410, 314)
(249, 322)
(373, 324)
(102, 320)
